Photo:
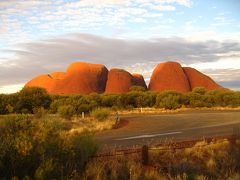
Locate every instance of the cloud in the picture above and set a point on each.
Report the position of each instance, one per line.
(141, 56)
(51, 14)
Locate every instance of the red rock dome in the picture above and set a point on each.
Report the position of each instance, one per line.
(58, 75)
(86, 78)
(119, 81)
(198, 79)
(80, 78)
(169, 76)
(43, 81)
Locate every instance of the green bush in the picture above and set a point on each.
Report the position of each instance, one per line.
(40, 149)
(66, 111)
(169, 100)
(200, 90)
(100, 114)
(137, 88)
(30, 98)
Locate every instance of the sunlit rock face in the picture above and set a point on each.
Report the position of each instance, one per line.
(120, 81)
(169, 76)
(198, 79)
(86, 78)
(43, 81)
(80, 78)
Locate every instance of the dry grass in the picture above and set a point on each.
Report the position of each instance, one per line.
(214, 160)
(183, 109)
(90, 124)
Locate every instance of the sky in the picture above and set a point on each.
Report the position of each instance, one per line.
(42, 36)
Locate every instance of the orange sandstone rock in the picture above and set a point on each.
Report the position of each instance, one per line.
(43, 81)
(198, 79)
(119, 81)
(80, 78)
(169, 76)
(58, 75)
(85, 78)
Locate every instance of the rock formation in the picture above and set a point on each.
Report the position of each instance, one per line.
(169, 76)
(198, 79)
(120, 81)
(139, 80)
(86, 78)
(44, 81)
(80, 78)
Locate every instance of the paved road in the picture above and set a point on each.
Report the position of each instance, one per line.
(154, 129)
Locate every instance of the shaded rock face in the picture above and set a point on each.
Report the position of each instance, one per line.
(139, 80)
(80, 78)
(198, 79)
(169, 76)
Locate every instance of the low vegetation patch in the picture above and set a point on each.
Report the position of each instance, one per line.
(100, 114)
(214, 160)
(42, 149)
(29, 99)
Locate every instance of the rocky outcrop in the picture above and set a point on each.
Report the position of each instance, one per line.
(44, 81)
(139, 80)
(86, 78)
(169, 76)
(119, 81)
(80, 78)
(198, 79)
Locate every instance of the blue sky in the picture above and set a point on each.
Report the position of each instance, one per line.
(38, 37)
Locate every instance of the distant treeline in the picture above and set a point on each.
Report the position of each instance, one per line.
(29, 100)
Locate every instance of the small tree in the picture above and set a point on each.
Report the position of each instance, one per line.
(32, 97)
(66, 111)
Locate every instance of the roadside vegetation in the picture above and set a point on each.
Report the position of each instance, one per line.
(32, 100)
(46, 136)
(205, 160)
(33, 148)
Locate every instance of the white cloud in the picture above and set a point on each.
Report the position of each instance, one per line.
(10, 88)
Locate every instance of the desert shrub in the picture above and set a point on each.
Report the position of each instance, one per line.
(40, 149)
(8, 103)
(66, 111)
(57, 101)
(30, 98)
(200, 90)
(124, 100)
(197, 100)
(9, 108)
(100, 113)
(39, 112)
(109, 100)
(169, 100)
(137, 88)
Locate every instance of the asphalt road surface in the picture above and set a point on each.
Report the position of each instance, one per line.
(154, 129)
